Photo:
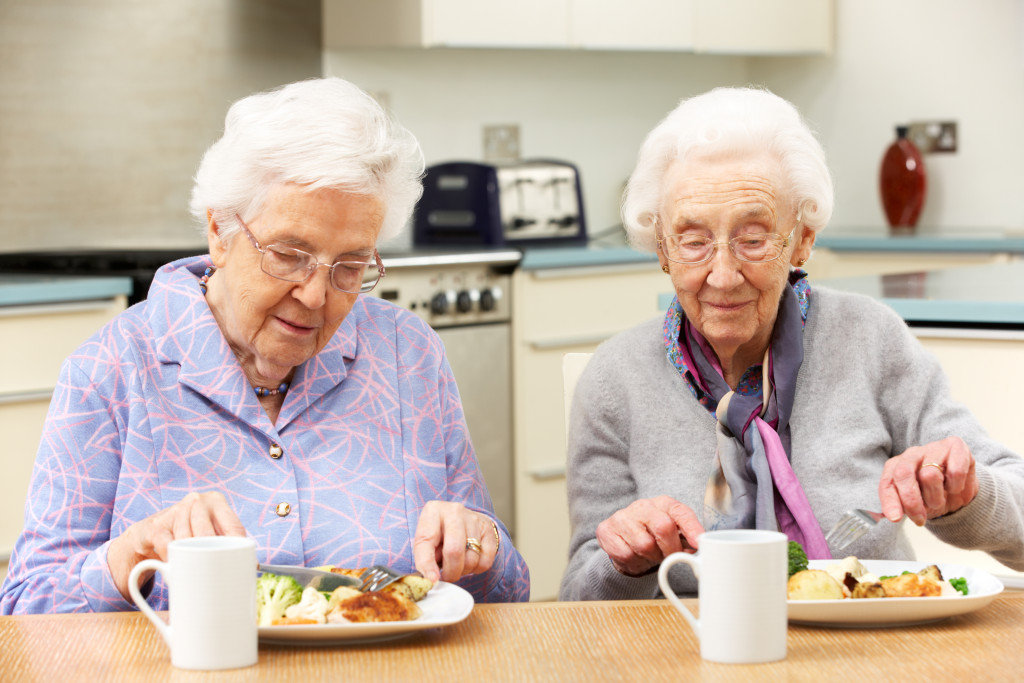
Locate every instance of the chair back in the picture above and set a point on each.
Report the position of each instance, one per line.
(572, 367)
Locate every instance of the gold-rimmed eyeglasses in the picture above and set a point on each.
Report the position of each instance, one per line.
(692, 249)
(295, 265)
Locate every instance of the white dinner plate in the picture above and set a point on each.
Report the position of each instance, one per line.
(445, 604)
(982, 587)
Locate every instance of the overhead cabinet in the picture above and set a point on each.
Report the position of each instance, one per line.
(712, 26)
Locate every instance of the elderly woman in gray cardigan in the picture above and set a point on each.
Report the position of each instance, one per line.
(759, 401)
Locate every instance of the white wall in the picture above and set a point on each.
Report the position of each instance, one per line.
(916, 60)
(592, 109)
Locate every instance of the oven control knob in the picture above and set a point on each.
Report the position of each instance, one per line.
(439, 304)
(487, 300)
(463, 302)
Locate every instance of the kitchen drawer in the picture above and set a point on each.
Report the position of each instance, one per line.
(21, 423)
(37, 339)
(570, 306)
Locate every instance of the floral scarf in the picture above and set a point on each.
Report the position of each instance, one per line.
(752, 484)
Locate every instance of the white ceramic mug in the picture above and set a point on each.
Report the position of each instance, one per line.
(211, 581)
(741, 576)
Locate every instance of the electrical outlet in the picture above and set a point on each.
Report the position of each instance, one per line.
(933, 136)
(501, 143)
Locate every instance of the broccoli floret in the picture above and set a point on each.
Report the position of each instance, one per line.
(797, 558)
(959, 583)
(274, 594)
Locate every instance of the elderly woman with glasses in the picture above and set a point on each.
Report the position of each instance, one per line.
(757, 401)
(256, 392)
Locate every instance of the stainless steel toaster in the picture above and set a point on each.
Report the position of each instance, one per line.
(533, 202)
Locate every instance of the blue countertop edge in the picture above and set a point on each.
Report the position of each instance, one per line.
(573, 257)
(24, 290)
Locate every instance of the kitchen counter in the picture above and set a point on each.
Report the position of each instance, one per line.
(989, 296)
(969, 240)
(540, 258)
(24, 290)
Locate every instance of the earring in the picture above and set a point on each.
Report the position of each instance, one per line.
(664, 269)
(801, 262)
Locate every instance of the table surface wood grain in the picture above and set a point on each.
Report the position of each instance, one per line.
(569, 641)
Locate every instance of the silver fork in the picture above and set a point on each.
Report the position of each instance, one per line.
(378, 576)
(851, 526)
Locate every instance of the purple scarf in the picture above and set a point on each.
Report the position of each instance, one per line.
(752, 484)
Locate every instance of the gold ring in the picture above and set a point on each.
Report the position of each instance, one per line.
(497, 538)
(473, 544)
(935, 465)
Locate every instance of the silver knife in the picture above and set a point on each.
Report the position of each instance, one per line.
(323, 581)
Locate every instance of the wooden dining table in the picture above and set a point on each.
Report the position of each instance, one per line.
(558, 641)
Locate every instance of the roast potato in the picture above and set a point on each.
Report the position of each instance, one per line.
(814, 584)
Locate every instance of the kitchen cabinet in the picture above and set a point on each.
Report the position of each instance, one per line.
(603, 300)
(713, 26)
(37, 338)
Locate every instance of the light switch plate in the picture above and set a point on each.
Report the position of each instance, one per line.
(933, 136)
(501, 143)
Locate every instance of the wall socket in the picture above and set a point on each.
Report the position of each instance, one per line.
(501, 143)
(933, 136)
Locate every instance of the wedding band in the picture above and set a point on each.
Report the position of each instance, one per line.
(473, 544)
(935, 465)
(497, 538)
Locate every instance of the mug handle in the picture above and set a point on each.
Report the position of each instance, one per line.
(133, 588)
(666, 589)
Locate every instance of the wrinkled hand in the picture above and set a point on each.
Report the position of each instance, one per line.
(439, 547)
(638, 537)
(197, 514)
(912, 486)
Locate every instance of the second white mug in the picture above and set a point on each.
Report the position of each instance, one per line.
(211, 582)
(741, 577)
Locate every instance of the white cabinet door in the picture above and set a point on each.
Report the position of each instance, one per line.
(497, 23)
(632, 24)
(764, 26)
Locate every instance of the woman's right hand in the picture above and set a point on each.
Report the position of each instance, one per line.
(197, 514)
(638, 537)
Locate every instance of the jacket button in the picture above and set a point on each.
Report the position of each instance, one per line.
(275, 451)
(283, 509)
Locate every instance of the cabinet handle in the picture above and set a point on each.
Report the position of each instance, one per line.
(548, 473)
(26, 396)
(561, 342)
(47, 309)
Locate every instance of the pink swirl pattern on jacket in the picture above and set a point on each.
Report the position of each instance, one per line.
(155, 406)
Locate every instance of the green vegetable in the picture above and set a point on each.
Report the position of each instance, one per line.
(959, 583)
(274, 594)
(797, 558)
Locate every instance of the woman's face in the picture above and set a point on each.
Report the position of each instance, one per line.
(732, 303)
(273, 325)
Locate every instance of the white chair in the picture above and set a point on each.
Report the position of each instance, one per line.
(572, 367)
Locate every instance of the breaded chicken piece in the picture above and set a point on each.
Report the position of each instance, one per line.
(375, 606)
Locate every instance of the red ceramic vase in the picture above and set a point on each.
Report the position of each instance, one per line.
(902, 182)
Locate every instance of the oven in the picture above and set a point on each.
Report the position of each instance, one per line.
(466, 298)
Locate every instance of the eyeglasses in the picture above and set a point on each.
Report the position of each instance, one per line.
(759, 247)
(295, 265)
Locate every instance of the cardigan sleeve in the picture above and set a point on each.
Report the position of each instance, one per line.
(599, 484)
(917, 397)
(59, 562)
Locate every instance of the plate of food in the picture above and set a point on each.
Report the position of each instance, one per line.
(922, 595)
(347, 616)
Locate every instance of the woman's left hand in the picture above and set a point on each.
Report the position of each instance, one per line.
(452, 541)
(928, 481)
